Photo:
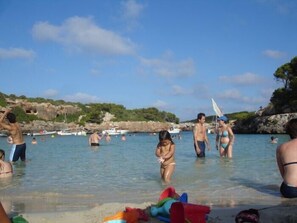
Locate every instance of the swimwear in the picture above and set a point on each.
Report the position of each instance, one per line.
(224, 145)
(169, 164)
(286, 164)
(288, 191)
(224, 134)
(18, 151)
(201, 145)
(94, 144)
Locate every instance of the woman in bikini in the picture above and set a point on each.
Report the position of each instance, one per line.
(225, 138)
(286, 157)
(5, 167)
(165, 152)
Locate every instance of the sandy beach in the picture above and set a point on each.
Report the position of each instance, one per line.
(286, 212)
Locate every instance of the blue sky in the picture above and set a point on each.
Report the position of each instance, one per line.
(169, 54)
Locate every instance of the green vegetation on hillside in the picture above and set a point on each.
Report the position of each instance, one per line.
(93, 112)
(285, 97)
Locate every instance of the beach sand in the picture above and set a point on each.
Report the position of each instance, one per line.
(286, 212)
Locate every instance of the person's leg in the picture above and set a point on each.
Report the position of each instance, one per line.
(168, 172)
(3, 216)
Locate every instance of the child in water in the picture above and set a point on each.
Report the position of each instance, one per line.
(165, 152)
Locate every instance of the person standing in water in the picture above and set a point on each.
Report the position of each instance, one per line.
(286, 157)
(94, 139)
(165, 152)
(19, 146)
(200, 136)
(225, 138)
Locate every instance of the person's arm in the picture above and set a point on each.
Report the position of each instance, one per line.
(2, 122)
(279, 161)
(231, 136)
(170, 152)
(206, 139)
(217, 140)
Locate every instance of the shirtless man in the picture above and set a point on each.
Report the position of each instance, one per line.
(5, 167)
(18, 149)
(94, 139)
(200, 136)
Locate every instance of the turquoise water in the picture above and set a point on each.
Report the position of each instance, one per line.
(64, 172)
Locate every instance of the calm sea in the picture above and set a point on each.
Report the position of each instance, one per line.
(64, 173)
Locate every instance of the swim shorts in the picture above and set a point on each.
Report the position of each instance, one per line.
(201, 145)
(18, 151)
(94, 144)
(288, 191)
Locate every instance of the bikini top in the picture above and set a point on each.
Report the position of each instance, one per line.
(286, 164)
(224, 133)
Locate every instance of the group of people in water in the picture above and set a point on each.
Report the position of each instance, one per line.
(166, 148)
(286, 153)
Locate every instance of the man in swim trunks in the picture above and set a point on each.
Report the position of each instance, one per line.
(18, 144)
(94, 139)
(286, 157)
(200, 136)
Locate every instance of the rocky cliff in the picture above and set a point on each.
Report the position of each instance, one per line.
(272, 124)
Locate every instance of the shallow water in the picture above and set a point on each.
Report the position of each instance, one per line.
(64, 173)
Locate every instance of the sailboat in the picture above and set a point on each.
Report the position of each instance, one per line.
(217, 110)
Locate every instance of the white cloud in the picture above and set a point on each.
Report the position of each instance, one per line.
(273, 54)
(234, 94)
(162, 105)
(132, 9)
(178, 90)
(242, 79)
(166, 66)
(50, 93)
(16, 53)
(82, 34)
(82, 98)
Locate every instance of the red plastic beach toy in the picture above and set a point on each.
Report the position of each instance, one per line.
(184, 212)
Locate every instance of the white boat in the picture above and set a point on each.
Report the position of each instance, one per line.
(69, 132)
(174, 130)
(42, 133)
(115, 131)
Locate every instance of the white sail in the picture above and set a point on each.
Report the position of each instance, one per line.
(216, 108)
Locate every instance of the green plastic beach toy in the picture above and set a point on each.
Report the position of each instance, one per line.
(19, 219)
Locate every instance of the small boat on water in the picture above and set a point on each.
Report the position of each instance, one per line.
(69, 132)
(42, 133)
(174, 130)
(115, 131)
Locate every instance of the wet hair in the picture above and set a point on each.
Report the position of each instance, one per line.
(11, 117)
(291, 128)
(2, 153)
(164, 134)
(200, 115)
(272, 137)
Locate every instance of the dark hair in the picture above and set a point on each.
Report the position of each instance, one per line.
(2, 153)
(164, 134)
(200, 115)
(291, 128)
(11, 117)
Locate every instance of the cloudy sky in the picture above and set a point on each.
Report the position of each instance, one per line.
(174, 55)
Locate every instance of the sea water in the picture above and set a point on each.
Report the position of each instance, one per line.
(65, 173)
